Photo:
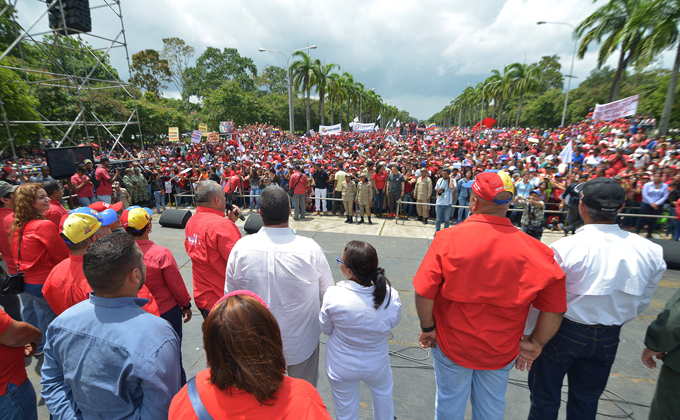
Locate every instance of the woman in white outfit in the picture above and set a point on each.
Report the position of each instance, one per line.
(357, 314)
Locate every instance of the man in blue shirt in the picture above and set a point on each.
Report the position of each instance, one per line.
(107, 358)
(445, 188)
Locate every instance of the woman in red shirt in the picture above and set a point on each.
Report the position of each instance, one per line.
(36, 248)
(246, 377)
(379, 177)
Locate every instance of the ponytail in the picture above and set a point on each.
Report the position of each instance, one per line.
(382, 285)
(362, 260)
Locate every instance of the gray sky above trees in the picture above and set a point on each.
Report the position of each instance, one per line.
(418, 55)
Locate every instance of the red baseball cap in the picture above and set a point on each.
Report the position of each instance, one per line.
(100, 206)
(491, 183)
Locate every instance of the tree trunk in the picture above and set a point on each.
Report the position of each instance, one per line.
(495, 105)
(332, 110)
(340, 115)
(500, 103)
(348, 120)
(321, 110)
(309, 111)
(519, 110)
(670, 96)
(614, 91)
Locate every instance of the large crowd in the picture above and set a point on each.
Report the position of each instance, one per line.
(103, 305)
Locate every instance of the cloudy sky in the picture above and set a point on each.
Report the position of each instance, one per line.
(418, 55)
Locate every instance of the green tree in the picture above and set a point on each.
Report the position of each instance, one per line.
(321, 74)
(19, 105)
(522, 79)
(273, 80)
(612, 23)
(303, 78)
(549, 75)
(150, 71)
(214, 68)
(179, 54)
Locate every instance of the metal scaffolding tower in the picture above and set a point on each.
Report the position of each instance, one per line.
(71, 72)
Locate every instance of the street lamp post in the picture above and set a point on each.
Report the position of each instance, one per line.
(361, 106)
(481, 106)
(291, 115)
(571, 71)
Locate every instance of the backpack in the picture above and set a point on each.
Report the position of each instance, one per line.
(93, 178)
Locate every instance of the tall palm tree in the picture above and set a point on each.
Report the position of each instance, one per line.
(320, 81)
(494, 90)
(334, 88)
(303, 75)
(348, 93)
(612, 22)
(522, 78)
(662, 18)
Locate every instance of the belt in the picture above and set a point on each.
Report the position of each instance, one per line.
(600, 326)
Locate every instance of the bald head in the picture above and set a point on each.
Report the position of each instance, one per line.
(478, 205)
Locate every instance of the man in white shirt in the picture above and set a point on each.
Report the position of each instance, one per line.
(611, 277)
(291, 274)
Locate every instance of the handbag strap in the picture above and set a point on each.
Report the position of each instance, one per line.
(196, 402)
(21, 234)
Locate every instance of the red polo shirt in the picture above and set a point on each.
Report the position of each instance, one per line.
(210, 236)
(66, 285)
(298, 181)
(55, 212)
(163, 277)
(12, 368)
(87, 191)
(6, 219)
(105, 186)
(41, 249)
(483, 275)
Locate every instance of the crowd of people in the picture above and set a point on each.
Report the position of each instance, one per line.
(103, 305)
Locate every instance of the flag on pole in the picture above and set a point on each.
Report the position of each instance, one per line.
(566, 154)
(240, 146)
(378, 119)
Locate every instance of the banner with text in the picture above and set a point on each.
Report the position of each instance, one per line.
(618, 109)
(173, 133)
(213, 137)
(226, 126)
(196, 136)
(363, 127)
(330, 129)
(203, 128)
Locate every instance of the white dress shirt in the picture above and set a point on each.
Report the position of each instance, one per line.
(611, 274)
(291, 274)
(357, 331)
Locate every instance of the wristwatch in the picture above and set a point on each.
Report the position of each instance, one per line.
(427, 330)
(187, 307)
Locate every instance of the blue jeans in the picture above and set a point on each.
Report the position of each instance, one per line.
(12, 306)
(178, 199)
(670, 225)
(486, 389)
(255, 201)
(676, 230)
(37, 311)
(407, 209)
(650, 222)
(443, 215)
(174, 317)
(86, 201)
(104, 198)
(585, 354)
(378, 199)
(463, 213)
(159, 198)
(20, 402)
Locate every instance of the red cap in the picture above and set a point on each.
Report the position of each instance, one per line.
(100, 206)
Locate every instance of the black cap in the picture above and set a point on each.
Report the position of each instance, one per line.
(602, 190)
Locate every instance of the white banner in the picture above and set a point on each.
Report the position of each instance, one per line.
(566, 154)
(618, 109)
(363, 127)
(330, 129)
(196, 136)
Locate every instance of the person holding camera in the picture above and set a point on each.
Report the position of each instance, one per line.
(445, 187)
(532, 217)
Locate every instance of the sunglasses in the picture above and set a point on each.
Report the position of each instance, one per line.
(339, 261)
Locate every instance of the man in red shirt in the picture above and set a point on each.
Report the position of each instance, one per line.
(66, 284)
(162, 273)
(298, 185)
(105, 188)
(209, 240)
(55, 193)
(83, 185)
(475, 286)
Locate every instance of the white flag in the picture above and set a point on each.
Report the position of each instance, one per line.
(378, 119)
(240, 146)
(356, 119)
(565, 156)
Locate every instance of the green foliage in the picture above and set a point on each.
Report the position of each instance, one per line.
(155, 116)
(19, 106)
(150, 71)
(273, 80)
(549, 75)
(214, 68)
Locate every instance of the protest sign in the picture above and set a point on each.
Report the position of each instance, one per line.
(363, 127)
(203, 128)
(196, 136)
(214, 136)
(615, 110)
(226, 126)
(173, 133)
(330, 129)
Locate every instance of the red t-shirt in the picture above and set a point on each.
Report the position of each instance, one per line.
(55, 212)
(296, 399)
(6, 219)
(210, 236)
(12, 368)
(482, 289)
(163, 277)
(105, 186)
(87, 191)
(66, 285)
(41, 249)
(379, 179)
(298, 181)
(232, 184)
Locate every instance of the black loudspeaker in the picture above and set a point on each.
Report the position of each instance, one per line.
(76, 18)
(671, 252)
(175, 218)
(253, 223)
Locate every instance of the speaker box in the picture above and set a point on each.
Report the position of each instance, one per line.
(671, 252)
(77, 16)
(253, 223)
(175, 218)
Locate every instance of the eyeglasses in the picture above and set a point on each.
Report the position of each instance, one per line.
(339, 261)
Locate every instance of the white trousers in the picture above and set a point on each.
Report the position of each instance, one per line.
(320, 194)
(345, 389)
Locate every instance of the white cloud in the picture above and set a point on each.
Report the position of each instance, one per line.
(417, 54)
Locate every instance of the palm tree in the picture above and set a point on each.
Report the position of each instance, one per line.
(303, 75)
(334, 92)
(348, 92)
(612, 22)
(522, 78)
(662, 18)
(320, 81)
(495, 91)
